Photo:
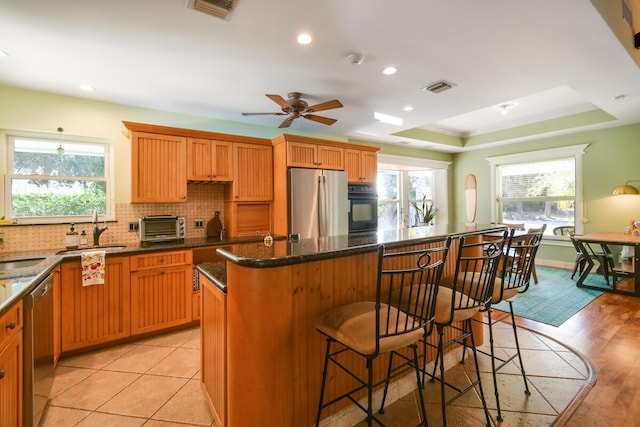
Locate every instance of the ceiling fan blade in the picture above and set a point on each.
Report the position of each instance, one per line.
(320, 119)
(279, 100)
(287, 122)
(264, 114)
(329, 105)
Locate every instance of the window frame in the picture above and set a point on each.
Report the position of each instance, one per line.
(402, 165)
(6, 170)
(575, 151)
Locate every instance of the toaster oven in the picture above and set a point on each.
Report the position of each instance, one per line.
(161, 228)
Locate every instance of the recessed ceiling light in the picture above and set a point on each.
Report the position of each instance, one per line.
(3, 53)
(504, 108)
(386, 118)
(304, 38)
(407, 108)
(389, 71)
(86, 87)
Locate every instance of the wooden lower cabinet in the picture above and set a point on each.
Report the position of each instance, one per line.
(97, 314)
(160, 298)
(11, 367)
(213, 336)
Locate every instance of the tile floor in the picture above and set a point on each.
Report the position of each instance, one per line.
(155, 382)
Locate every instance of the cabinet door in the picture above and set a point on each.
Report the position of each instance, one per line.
(213, 337)
(11, 382)
(352, 164)
(199, 159)
(361, 166)
(209, 160)
(160, 298)
(330, 157)
(302, 155)
(159, 168)
(369, 166)
(222, 161)
(95, 314)
(253, 172)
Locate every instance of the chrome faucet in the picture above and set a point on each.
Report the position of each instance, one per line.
(97, 231)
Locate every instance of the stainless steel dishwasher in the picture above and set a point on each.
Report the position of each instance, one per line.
(38, 349)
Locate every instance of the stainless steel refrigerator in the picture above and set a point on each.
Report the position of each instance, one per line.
(318, 204)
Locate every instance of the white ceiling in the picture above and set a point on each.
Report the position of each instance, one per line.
(551, 58)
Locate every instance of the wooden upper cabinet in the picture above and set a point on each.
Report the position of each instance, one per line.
(159, 168)
(252, 173)
(317, 156)
(361, 166)
(209, 160)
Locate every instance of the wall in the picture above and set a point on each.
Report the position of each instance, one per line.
(611, 158)
(42, 112)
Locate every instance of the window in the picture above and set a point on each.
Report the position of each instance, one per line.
(388, 199)
(542, 187)
(421, 190)
(403, 181)
(54, 179)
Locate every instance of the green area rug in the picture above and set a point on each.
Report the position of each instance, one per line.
(554, 299)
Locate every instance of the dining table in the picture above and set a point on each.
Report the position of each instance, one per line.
(624, 273)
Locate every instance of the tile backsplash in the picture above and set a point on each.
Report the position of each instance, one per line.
(202, 202)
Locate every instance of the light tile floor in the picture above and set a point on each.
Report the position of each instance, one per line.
(155, 382)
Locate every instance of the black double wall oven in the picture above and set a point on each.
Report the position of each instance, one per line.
(363, 208)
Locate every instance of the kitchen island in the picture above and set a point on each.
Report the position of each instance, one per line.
(261, 355)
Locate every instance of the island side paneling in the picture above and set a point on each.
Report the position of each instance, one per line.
(274, 354)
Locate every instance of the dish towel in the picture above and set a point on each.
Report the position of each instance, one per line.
(92, 268)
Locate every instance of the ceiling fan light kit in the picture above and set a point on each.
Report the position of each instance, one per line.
(295, 107)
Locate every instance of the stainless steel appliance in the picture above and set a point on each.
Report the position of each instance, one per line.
(318, 204)
(363, 212)
(161, 228)
(38, 350)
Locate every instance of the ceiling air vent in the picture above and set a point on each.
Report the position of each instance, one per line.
(217, 8)
(439, 86)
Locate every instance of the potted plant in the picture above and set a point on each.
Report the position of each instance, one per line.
(404, 218)
(425, 212)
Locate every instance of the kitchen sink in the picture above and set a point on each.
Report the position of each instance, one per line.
(79, 251)
(19, 263)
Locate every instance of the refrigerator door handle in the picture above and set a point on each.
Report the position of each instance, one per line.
(322, 206)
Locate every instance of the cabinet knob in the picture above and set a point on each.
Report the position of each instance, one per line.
(161, 260)
(11, 325)
(1, 375)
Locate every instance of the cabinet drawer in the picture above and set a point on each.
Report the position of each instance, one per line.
(162, 259)
(10, 324)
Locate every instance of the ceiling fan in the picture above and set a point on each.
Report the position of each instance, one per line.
(295, 107)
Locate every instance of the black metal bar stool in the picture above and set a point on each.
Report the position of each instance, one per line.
(369, 329)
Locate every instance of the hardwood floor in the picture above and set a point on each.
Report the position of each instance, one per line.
(607, 332)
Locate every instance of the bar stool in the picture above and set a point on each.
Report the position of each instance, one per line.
(369, 329)
(514, 278)
(460, 297)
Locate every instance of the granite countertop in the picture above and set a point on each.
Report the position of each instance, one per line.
(283, 252)
(15, 283)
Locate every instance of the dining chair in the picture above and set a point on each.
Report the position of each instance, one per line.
(533, 267)
(564, 230)
(581, 258)
(513, 279)
(369, 329)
